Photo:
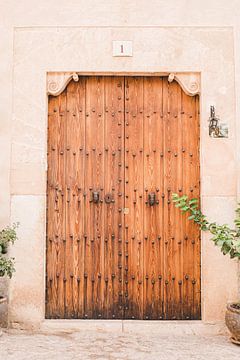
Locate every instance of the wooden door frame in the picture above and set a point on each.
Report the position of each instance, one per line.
(188, 81)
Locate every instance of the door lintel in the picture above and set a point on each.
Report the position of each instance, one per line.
(189, 81)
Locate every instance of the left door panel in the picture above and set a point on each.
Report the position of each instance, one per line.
(84, 233)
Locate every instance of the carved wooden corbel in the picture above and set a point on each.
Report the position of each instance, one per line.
(57, 81)
(189, 82)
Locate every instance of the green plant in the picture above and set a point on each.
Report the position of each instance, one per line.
(223, 236)
(6, 266)
(7, 236)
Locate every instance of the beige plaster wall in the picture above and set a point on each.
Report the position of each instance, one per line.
(77, 36)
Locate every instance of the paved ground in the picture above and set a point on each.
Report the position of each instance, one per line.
(105, 345)
(101, 345)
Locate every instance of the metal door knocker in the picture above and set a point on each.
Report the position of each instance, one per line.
(95, 197)
(152, 199)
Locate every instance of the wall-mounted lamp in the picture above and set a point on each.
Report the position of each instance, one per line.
(216, 129)
(213, 123)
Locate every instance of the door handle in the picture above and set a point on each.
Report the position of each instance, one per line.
(152, 199)
(95, 197)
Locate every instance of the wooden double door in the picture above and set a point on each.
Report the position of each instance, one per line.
(117, 248)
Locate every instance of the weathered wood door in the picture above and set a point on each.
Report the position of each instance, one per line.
(118, 147)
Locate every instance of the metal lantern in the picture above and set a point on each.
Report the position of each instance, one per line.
(214, 130)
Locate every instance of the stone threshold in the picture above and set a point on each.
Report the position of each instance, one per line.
(163, 328)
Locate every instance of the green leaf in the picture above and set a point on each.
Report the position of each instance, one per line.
(178, 205)
(193, 201)
(191, 217)
(225, 249)
(193, 207)
(219, 242)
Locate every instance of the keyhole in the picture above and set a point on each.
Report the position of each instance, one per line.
(108, 198)
(121, 49)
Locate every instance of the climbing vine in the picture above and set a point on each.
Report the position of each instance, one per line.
(223, 236)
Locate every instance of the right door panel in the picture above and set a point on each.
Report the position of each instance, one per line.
(162, 247)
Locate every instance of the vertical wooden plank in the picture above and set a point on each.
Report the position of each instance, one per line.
(51, 280)
(172, 251)
(114, 185)
(75, 137)
(192, 189)
(191, 285)
(79, 198)
(81, 111)
(153, 183)
(197, 233)
(176, 215)
(167, 174)
(174, 184)
(70, 175)
(94, 181)
(187, 265)
(134, 197)
(56, 208)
